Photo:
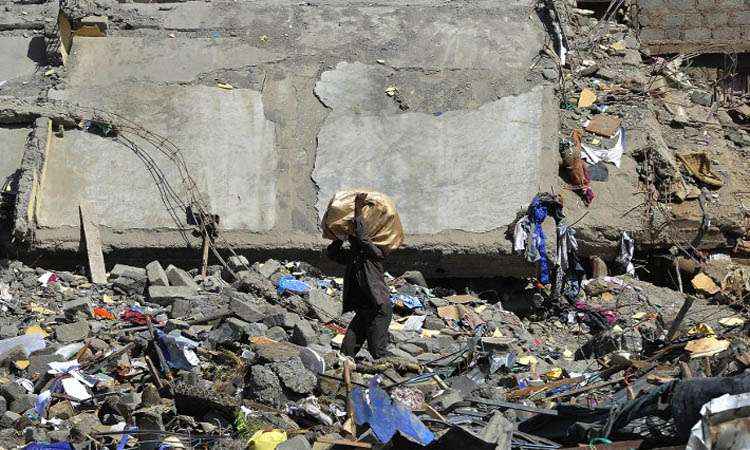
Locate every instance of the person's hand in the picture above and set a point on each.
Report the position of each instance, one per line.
(359, 203)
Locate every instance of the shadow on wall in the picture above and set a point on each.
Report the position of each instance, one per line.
(37, 51)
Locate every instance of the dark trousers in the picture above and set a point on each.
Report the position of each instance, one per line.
(371, 325)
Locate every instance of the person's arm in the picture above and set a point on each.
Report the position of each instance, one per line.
(336, 253)
(360, 234)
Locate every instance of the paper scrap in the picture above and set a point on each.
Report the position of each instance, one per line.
(587, 98)
(704, 283)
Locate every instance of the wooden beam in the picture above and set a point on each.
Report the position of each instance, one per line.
(93, 243)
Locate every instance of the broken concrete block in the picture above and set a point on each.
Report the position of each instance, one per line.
(239, 326)
(156, 274)
(247, 311)
(72, 332)
(304, 334)
(178, 277)
(3, 405)
(277, 334)
(254, 283)
(61, 410)
(151, 420)
(238, 263)
(23, 403)
(414, 277)
(180, 308)
(134, 273)
(166, 295)
(224, 334)
(446, 400)
(296, 443)
(78, 309)
(9, 419)
(324, 308)
(294, 376)
(264, 385)
(411, 349)
(268, 268)
(39, 362)
(286, 320)
(278, 352)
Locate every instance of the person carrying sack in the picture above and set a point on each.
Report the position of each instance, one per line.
(365, 291)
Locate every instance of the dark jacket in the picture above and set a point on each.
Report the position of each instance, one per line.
(364, 279)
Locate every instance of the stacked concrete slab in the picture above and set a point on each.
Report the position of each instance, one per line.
(430, 103)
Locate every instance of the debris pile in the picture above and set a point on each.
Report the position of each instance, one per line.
(164, 358)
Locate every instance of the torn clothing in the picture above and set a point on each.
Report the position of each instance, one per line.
(364, 278)
(371, 325)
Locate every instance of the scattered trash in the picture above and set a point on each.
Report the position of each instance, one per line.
(699, 166)
(604, 125)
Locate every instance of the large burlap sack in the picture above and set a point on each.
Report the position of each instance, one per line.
(379, 214)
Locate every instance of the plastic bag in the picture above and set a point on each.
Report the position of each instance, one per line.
(381, 219)
(267, 440)
(288, 283)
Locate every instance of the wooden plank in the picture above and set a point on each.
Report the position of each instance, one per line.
(344, 442)
(93, 243)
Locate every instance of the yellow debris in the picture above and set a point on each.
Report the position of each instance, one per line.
(587, 98)
(36, 329)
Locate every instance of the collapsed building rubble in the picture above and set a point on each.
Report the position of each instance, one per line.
(163, 357)
(240, 355)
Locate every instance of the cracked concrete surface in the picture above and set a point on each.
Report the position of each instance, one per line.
(309, 96)
(470, 170)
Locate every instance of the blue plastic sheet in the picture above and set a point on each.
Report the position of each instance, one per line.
(408, 301)
(49, 446)
(386, 418)
(289, 284)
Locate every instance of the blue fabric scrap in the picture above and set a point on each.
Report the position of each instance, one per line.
(386, 418)
(49, 446)
(408, 301)
(288, 283)
(537, 214)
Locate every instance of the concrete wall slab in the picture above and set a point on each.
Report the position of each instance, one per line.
(12, 142)
(462, 170)
(19, 56)
(224, 135)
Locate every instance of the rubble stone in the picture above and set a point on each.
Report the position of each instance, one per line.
(165, 295)
(324, 308)
(246, 310)
(277, 352)
(79, 309)
(286, 320)
(295, 443)
(62, 410)
(304, 334)
(180, 308)
(72, 332)
(178, 277)
(414, 277)
(277, 334)
(156, 274)
(9, 419)
(268, 268)
(294, 376)
(134, 273)
(264, 385)
(254, 283)
(238, 263)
